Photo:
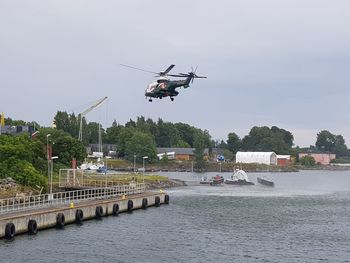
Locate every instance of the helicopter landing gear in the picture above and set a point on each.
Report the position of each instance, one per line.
(172, 99)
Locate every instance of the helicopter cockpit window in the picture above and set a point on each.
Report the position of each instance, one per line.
(152, 86)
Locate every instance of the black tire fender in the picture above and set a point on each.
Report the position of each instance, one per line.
(157, 201)
(166, 199)
(144, 203)
(115, 210)
(99, 211)
(10, 231)
(60, 220)
(79, 216)
(32, 227)
(130, 206)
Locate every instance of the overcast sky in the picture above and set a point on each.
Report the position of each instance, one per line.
(283, 63)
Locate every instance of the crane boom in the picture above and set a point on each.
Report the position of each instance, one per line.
(95, 105)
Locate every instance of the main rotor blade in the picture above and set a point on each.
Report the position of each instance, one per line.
(167, 70)
(139, 69)
(194, 76)
(178, 76)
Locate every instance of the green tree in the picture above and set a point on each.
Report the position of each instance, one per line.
(200, 144)
(123, 137)
(22, 159)
(228, 154)
(234, 143)
(182, 144)
(307, 161)
(91, 133)
(112, 133)
(187, 133)
(266, 139)
(23, 172)
(168, 135)
(63, 145)
(285, 135)
(165, 159)
(141, 144)
(328, 142)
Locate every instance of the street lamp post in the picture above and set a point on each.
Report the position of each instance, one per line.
(51, 176)
(107, 157)
(143, 167)
(48, 154)
(134, 163)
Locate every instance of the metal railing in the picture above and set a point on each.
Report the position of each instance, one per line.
(64, 198)
(76, 178)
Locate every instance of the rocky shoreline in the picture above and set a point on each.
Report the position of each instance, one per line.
(7, 183)
(170, 183)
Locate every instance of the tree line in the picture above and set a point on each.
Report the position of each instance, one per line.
(24, 159)
(142, 136)
(138, 137)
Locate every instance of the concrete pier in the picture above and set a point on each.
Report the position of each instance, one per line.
(38, 219)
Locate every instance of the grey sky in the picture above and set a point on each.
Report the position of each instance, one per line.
(283, 63)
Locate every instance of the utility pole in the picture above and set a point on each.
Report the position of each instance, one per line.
(143, 168)
(134, 163)
(48, 154)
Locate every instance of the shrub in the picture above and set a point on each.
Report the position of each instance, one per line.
(307, 161)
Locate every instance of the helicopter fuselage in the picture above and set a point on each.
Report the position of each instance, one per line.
(165, 88)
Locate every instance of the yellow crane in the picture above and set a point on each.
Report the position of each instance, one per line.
(93, 106)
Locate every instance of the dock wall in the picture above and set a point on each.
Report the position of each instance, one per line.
(47, 217)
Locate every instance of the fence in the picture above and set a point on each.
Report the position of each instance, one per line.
(63, 198)
(75, 178)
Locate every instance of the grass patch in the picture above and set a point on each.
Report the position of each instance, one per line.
(118, 163)
(127, 178)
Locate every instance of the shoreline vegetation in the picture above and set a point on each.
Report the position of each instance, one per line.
(187, 166)
(25, 157)
(154, 181)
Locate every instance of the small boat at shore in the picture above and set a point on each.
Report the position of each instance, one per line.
(204, 180)
(264, 181)
(239, 177)
(214, 181)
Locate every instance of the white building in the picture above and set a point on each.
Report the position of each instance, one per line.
(269, 158)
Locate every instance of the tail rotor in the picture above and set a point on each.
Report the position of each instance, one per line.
(192, 74)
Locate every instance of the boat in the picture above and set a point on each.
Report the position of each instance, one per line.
(239, 177)
(264, 181)
(91, 166)
(102, 169)
(204, 180)
(216, 180)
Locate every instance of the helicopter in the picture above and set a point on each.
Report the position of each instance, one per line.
(163, 86)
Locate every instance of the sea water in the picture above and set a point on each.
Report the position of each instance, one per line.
(304, 218)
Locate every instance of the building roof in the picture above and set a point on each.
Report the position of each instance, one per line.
(315, 152)
(256, 157)
(256, 154)
(13, 129)
(187, 151)
(281, 156)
